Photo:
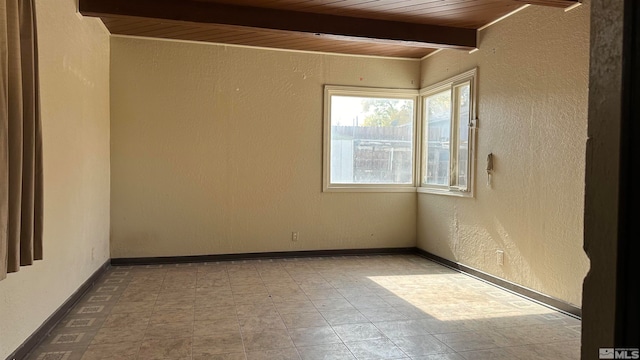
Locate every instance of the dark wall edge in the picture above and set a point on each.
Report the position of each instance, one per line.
(257, 256)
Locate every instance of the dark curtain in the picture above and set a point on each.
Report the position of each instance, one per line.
(20, 138)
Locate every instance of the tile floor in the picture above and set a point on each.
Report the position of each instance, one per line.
(355, 307)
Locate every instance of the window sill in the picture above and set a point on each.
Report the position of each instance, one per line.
(372, 188)
(446, 192)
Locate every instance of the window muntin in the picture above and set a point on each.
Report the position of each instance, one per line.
(448, 136)
(369, 139)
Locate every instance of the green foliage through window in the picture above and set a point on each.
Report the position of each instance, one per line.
(387, 112)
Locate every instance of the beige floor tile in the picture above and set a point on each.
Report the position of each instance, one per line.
(249, 298)
(249, 289)
(402, 328)
(358, 332)
(206, 327)
(340, 317)
(557, 351)
(294, 296)
(444, 326)
(326, 352)
(375, 349)
(283, 280)
(394, 300)
(137, 296)
(383, 314)
(215, 287)
(303, 320)
(215, 312)
(127, 320)
(413, 311)
(277, 354)
(178, 287)
(165, 349)
(171, 305)
(176, 296)
(537, 334)
(245, 280)
(356, 292)
(212, 273)
(368, 302)
(133, 307)
(314, 336)
(208, 301)
(491, 354)
(170, 316)
(231, 356)
(267, 340)
(169, 330)
(332, 304)
(288, 307)
(258, 309)
(470, 340)
(421, 345)
(315, 287)
(555, 318)
(285, 289)
(217, 343)
(322, 293)
(111, 335)
(124, 351)
(450, 356)
(259, 323)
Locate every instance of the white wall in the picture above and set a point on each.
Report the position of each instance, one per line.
(532, 110)
(74, 75)
(218, 149)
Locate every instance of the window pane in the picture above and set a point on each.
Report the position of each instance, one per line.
(437, 135)
(462, 97)
(371, 140)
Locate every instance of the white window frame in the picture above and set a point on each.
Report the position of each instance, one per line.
(451, 189)
(334, 90)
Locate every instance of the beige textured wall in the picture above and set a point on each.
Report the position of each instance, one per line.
(532, 109)
(74, 65)
(218, 149)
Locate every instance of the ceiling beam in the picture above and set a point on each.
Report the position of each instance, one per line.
(334, 26)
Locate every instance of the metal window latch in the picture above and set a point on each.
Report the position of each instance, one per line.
(473, 123)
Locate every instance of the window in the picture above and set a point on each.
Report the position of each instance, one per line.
(448, 137)
(369, 139)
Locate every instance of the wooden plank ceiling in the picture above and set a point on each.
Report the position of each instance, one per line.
(396, 28)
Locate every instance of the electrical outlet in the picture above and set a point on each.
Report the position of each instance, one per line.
(294, 236)
(500, 257)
